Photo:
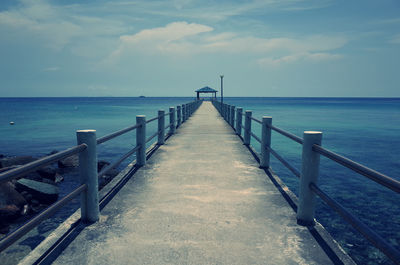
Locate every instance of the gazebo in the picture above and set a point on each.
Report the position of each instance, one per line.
(206, 89)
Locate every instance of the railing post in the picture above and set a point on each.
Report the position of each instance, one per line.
(179, 117)
(172, 120)
(309, 174)
(239, 121)
(141, 140)
(265, 141)
(247, 127)
(161, 127)
(228, 113)
(232, 121)
(88, 175)
(183, 113)
(187, 111)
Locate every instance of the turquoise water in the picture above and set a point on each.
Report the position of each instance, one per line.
(365, 130)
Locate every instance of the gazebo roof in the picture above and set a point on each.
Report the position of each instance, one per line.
(206, 89)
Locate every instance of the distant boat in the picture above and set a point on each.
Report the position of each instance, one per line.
(141, 96)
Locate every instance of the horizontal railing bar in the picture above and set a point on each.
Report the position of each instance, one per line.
(363, 170)
(255, 137)
(287, 134)
(20, 171)
(151, 137)
(256, 120)
(284, 162)
(367, 232)
(166, 127)
(153, 119)
(115, 134)
(17, 234)
(117, 162)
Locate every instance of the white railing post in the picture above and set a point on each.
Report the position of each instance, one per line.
(309, 174)
(172, 120)
(141, 140)
(161, 127)
(239, 121)
(232, 121)
(247, 127)
(88, 175)
(179, 117)
(265, 141)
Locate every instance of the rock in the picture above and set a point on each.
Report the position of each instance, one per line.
(72, 161)
(33, 176)
(7, 168)
(16, 160)
(9, 196)
(52, 152)
(112, 173)
(37, 208)
(47, 173)
(43, 192)
(58, 178)
(28, 197)
(101, 164)
(9, 213)
(35, 203)
(4, 228)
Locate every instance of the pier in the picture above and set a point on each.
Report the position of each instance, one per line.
(199, 195)
(200, 199)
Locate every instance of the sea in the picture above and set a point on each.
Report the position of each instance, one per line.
(366, 130)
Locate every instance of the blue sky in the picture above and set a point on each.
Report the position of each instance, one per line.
(273, 48)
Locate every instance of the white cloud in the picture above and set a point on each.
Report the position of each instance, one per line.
(387, 21)
(56, 26)
(189, 39)
(171, 32)
(173, 38)
(310, 57)
(395, 39)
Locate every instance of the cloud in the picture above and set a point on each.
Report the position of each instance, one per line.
(395, 39)
(173, 38)
(387, 21)
(190, 39)
(308, 57)
(56, 27)
(171, 32)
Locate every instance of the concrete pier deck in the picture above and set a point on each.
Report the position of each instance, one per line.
(201, 199)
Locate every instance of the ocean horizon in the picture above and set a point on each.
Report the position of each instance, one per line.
(364, 129)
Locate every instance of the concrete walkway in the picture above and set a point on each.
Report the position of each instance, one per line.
(201, 199)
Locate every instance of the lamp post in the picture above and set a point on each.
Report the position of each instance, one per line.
(222, 88)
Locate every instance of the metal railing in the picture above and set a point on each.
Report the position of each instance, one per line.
(308, 189)
(86, 148)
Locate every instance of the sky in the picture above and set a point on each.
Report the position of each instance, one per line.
(270, 48)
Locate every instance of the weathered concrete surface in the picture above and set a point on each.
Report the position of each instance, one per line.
(201, 199)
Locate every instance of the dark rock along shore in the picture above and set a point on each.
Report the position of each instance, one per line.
(29, 195)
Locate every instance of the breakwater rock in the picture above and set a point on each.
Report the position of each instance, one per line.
(36, 190)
